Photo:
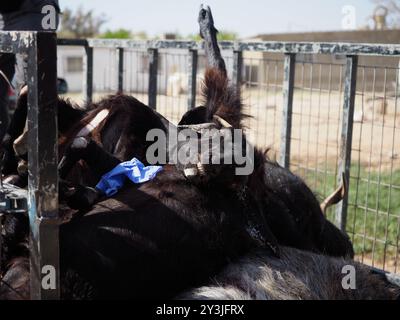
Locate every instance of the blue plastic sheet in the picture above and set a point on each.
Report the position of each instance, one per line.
(134, 170)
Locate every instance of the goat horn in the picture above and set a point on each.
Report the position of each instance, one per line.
(201, 169)
(222, 121)
(190, 172)
(335, 197)
(194, 171)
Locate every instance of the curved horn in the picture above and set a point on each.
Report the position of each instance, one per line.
(335, 197)
(201, 169)
(222, 122)
(198, 170)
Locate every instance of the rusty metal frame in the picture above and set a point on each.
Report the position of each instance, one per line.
(40, 49)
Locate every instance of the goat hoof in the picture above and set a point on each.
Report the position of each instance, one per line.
(205, 20)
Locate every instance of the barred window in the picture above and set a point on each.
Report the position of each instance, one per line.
(74, 64)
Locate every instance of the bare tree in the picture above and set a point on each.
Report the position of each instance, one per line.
(81, 23)
(392, 14)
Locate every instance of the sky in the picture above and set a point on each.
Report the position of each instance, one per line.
(245, 17)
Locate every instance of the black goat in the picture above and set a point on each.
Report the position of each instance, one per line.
(296, 275)
(155, 239)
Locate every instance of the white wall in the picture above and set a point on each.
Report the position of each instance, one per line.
(172, 69)
(74, 79)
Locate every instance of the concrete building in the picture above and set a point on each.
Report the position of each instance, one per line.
(257, 70)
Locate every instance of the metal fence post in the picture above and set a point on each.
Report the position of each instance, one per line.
(88, 71)
(43, 160)
(288, 90)
(346, 137)
(192, 81)
(398, 77)
(237, 69)
(153, 70)
(120, 70)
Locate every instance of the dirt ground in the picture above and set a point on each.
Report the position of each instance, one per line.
(316, 128)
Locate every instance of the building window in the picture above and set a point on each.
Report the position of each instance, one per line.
(74, 64)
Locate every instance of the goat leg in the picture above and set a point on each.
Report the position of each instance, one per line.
(209, 33)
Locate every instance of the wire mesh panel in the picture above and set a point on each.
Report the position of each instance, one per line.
(374, 194)
(262, 96)
(136, 74)
(317, 109)
(172, 84)
(316, 116)
(105, 72)
(374, 206)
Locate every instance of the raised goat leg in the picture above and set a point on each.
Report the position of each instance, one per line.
(209, 33)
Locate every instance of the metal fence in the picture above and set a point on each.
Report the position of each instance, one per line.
(325, 110)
